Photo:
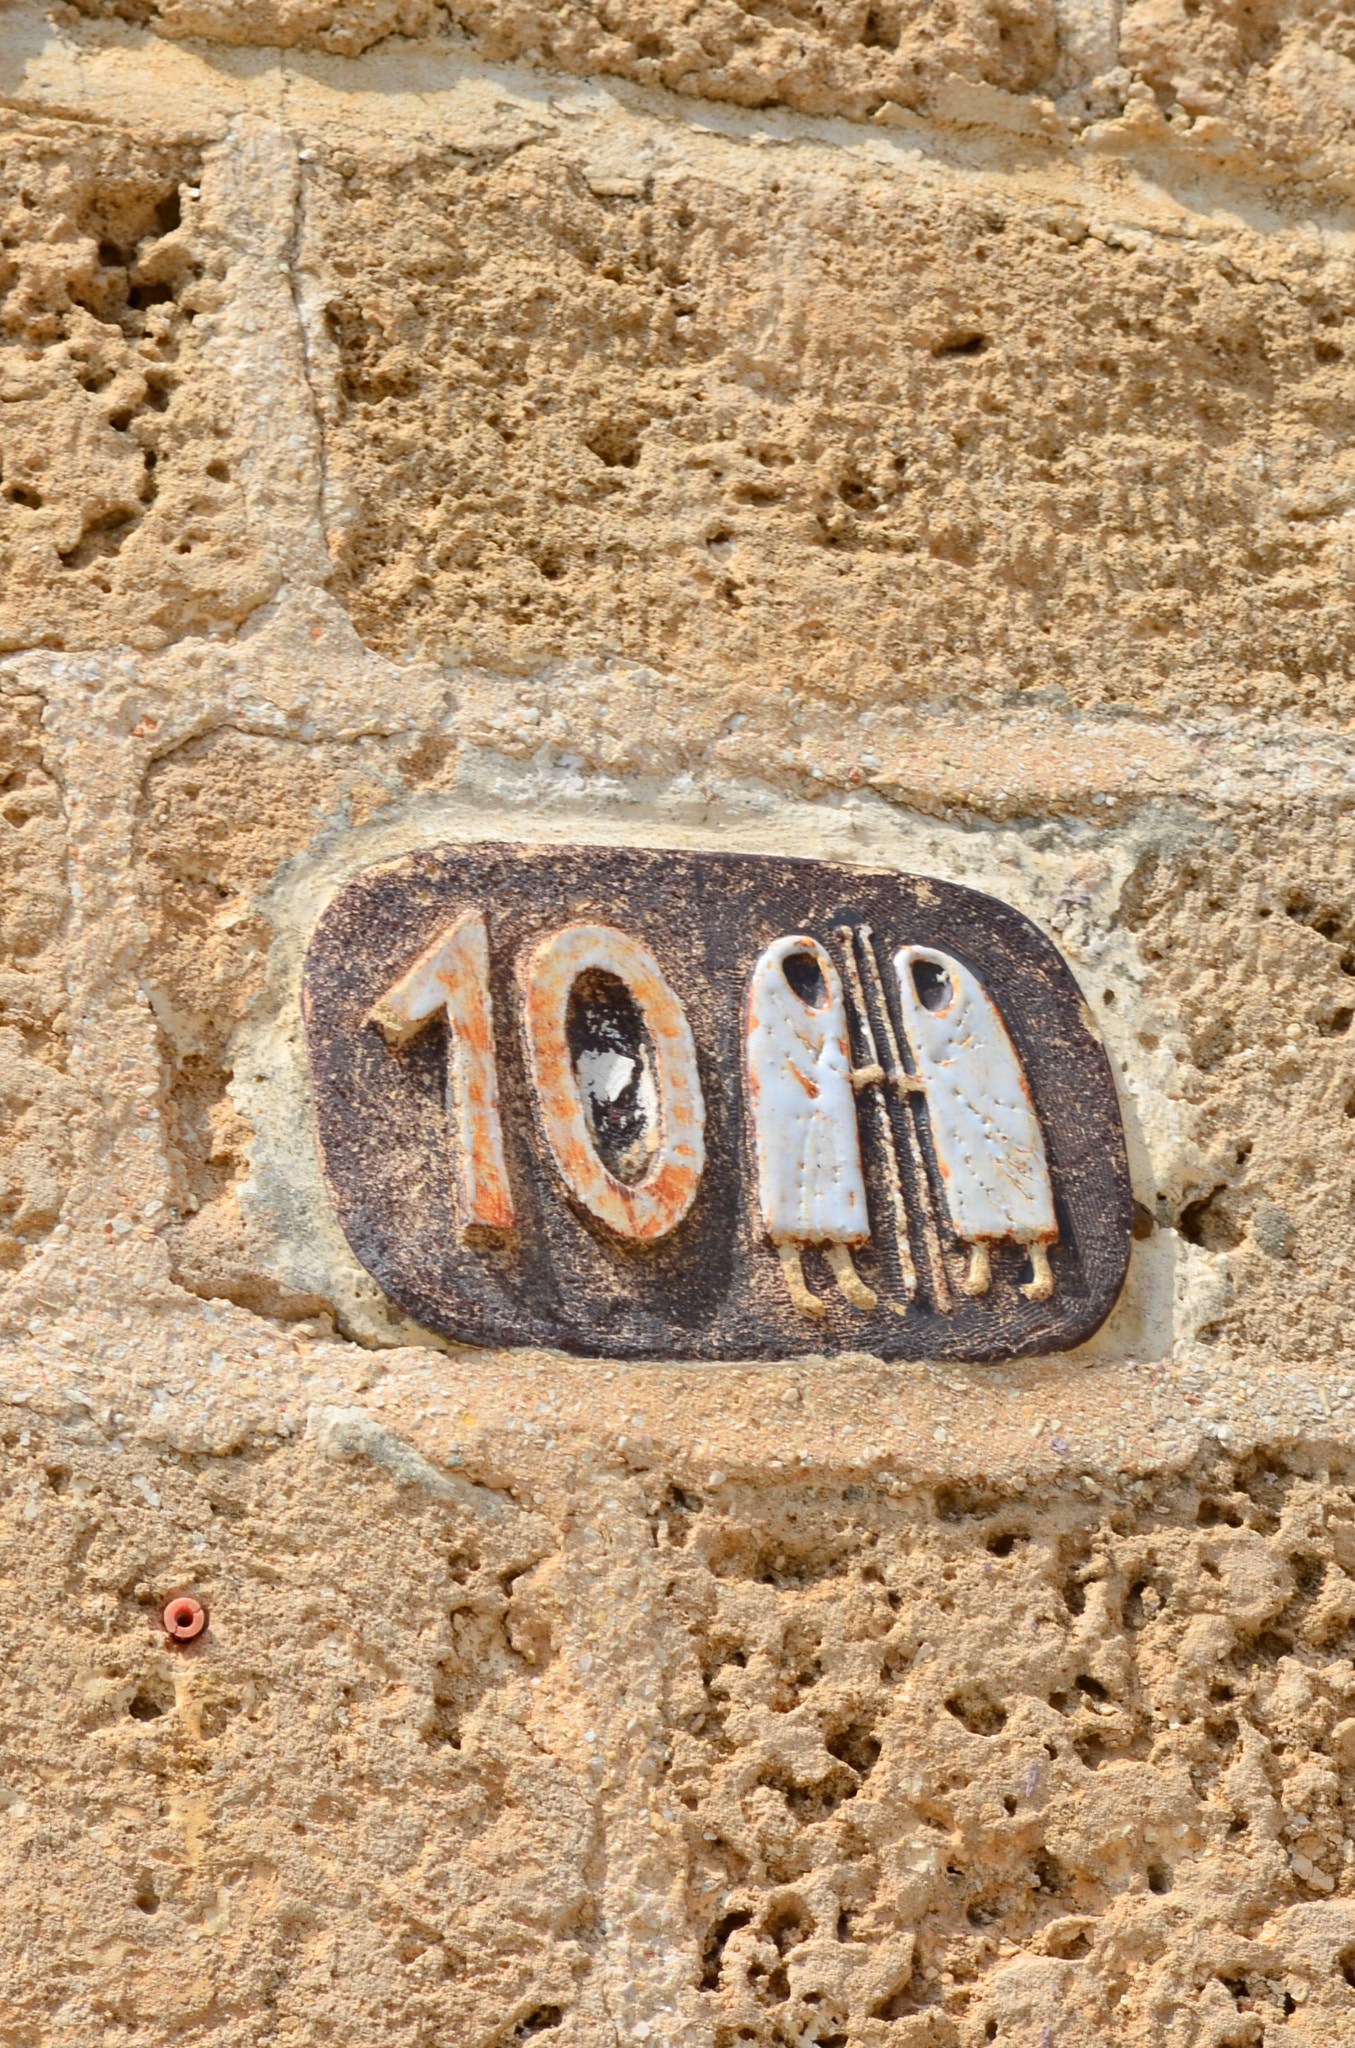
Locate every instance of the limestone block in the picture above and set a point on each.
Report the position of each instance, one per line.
(41, 1103)
(220, 817)
(1266, 94)
(344, 29)
(846, 58)
(621, 446)
(121, 515)
(998, 443)
(909, 1760)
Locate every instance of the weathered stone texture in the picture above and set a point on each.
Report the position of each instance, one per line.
(221, 816)
(916, 437)
(343, 30)
(866, 439)
(1248, 939)
(119, 519)
(39, 1103)
(1257, 87)
(465, 1850)
(920, 1766)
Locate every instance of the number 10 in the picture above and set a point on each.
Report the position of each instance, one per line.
(645, 1190)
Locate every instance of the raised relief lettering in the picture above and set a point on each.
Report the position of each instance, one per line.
(900, 1142)
(452, 977)
(989, 1146)
(735, 1102)
(802, 1088)
(613, 1067)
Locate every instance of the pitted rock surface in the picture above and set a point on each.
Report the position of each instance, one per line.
(906, 437)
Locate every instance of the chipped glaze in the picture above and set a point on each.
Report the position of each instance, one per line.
(453, 975)
(986, 1135)
(650, 1207)
(810, 1184)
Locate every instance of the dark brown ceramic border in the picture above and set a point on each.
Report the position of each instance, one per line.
(713, 1290)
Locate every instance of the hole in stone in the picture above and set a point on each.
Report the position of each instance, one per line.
(806, 979)
(539, 2022)
(1005, 1544)
(977, 1712)
(713, 1954)
(147, 1899)
(1093, 1688)
(1159, 1880)
(778, 1986)
(1142, 1604)
(933, 985)
(1204, 1223)
(614, 1067)
(962, 345)
(788, 1926)
(1068, 1943)
(617, 446)
(856, 1747)
(144, 1708)
(20, 494)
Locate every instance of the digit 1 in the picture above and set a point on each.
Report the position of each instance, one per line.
(453, 975)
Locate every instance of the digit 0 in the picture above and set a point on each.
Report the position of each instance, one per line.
(614, 1069)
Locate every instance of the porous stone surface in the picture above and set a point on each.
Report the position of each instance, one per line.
(947, 426)
(1263, 90)
(121, 519)
(344, 30)
(911, 438)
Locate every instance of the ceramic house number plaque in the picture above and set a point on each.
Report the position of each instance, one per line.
(698, 1105)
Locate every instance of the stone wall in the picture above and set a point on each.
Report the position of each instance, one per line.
(913, 437)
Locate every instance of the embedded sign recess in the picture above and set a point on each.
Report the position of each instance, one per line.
(698, 1105)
